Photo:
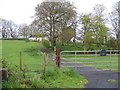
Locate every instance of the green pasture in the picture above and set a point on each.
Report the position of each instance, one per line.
(33, 61)
(102, 62)
(30, 53)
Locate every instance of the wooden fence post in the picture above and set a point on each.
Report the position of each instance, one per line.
(20, 61)
(58, 58)
(3, 74)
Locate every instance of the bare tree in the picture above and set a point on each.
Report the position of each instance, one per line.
(35, 30)
(8, 28)
(24, 30)
(114, 17)
(99, 9)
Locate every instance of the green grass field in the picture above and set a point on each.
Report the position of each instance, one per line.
(102, 62)
(30, 53)
(33, 61)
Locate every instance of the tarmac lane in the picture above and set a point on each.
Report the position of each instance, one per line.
(97, 78)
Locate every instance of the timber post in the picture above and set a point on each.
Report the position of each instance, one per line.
(57, 58)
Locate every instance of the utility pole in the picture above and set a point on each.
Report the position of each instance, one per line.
(119, 19)
(119, 25)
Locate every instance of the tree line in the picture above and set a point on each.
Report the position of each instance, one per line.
(59, 21)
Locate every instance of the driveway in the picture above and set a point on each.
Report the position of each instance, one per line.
(97, 78)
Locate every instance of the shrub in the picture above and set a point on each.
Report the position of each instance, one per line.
(46, 43)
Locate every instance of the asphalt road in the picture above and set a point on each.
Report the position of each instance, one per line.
(97, 78)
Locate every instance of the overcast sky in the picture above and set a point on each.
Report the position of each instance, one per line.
(20, 11)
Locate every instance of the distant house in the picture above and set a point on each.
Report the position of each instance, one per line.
(37, 39)
(76, 39)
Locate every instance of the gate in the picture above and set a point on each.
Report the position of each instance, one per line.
(90, 59)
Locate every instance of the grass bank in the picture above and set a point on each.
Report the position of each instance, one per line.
(32, 74)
